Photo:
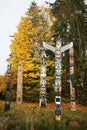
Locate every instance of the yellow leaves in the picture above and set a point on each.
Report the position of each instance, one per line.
(22, 47)
(24, 22)
(25, 75)
(50, 63)
(28, 66)
(2, 83)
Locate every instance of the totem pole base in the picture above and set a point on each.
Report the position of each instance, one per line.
(7, 106)
(58, 112)
(73, 106)
(43, 102)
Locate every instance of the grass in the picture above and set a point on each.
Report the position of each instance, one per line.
(34, 118)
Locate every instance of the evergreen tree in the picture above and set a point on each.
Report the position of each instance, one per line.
(71, 25)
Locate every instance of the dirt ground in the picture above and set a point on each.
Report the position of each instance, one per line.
(50, 106)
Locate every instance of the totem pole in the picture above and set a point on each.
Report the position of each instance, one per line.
(58, 50)
(19, 84)
(72, 79)
(8, 88)
(57, 88)
(43, 101)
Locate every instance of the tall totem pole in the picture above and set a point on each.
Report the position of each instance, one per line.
(42, 100)
(58, 50)
(8, 88)
(72, 79)
(57, 87)
(19, 84)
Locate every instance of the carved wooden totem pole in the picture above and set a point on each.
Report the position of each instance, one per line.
(72, 79)
(58, 50)
(19, 84)
(8, 88)
(43, 101)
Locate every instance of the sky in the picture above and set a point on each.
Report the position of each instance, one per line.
(10, 14)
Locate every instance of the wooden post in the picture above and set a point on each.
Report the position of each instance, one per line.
(43, 101)
(57, 88)
(58, 50)
(72, 79)
(8, 88)
(19, 99)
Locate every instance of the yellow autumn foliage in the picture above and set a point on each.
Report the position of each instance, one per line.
(23, 48)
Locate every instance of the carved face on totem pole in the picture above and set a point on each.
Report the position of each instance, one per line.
(72, 70)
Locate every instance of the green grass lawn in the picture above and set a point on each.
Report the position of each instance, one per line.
(43, 119)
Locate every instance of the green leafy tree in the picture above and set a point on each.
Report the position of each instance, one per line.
(71, 25)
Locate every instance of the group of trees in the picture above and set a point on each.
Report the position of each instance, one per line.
(33, 28)
(71, 25)
(66, 19)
